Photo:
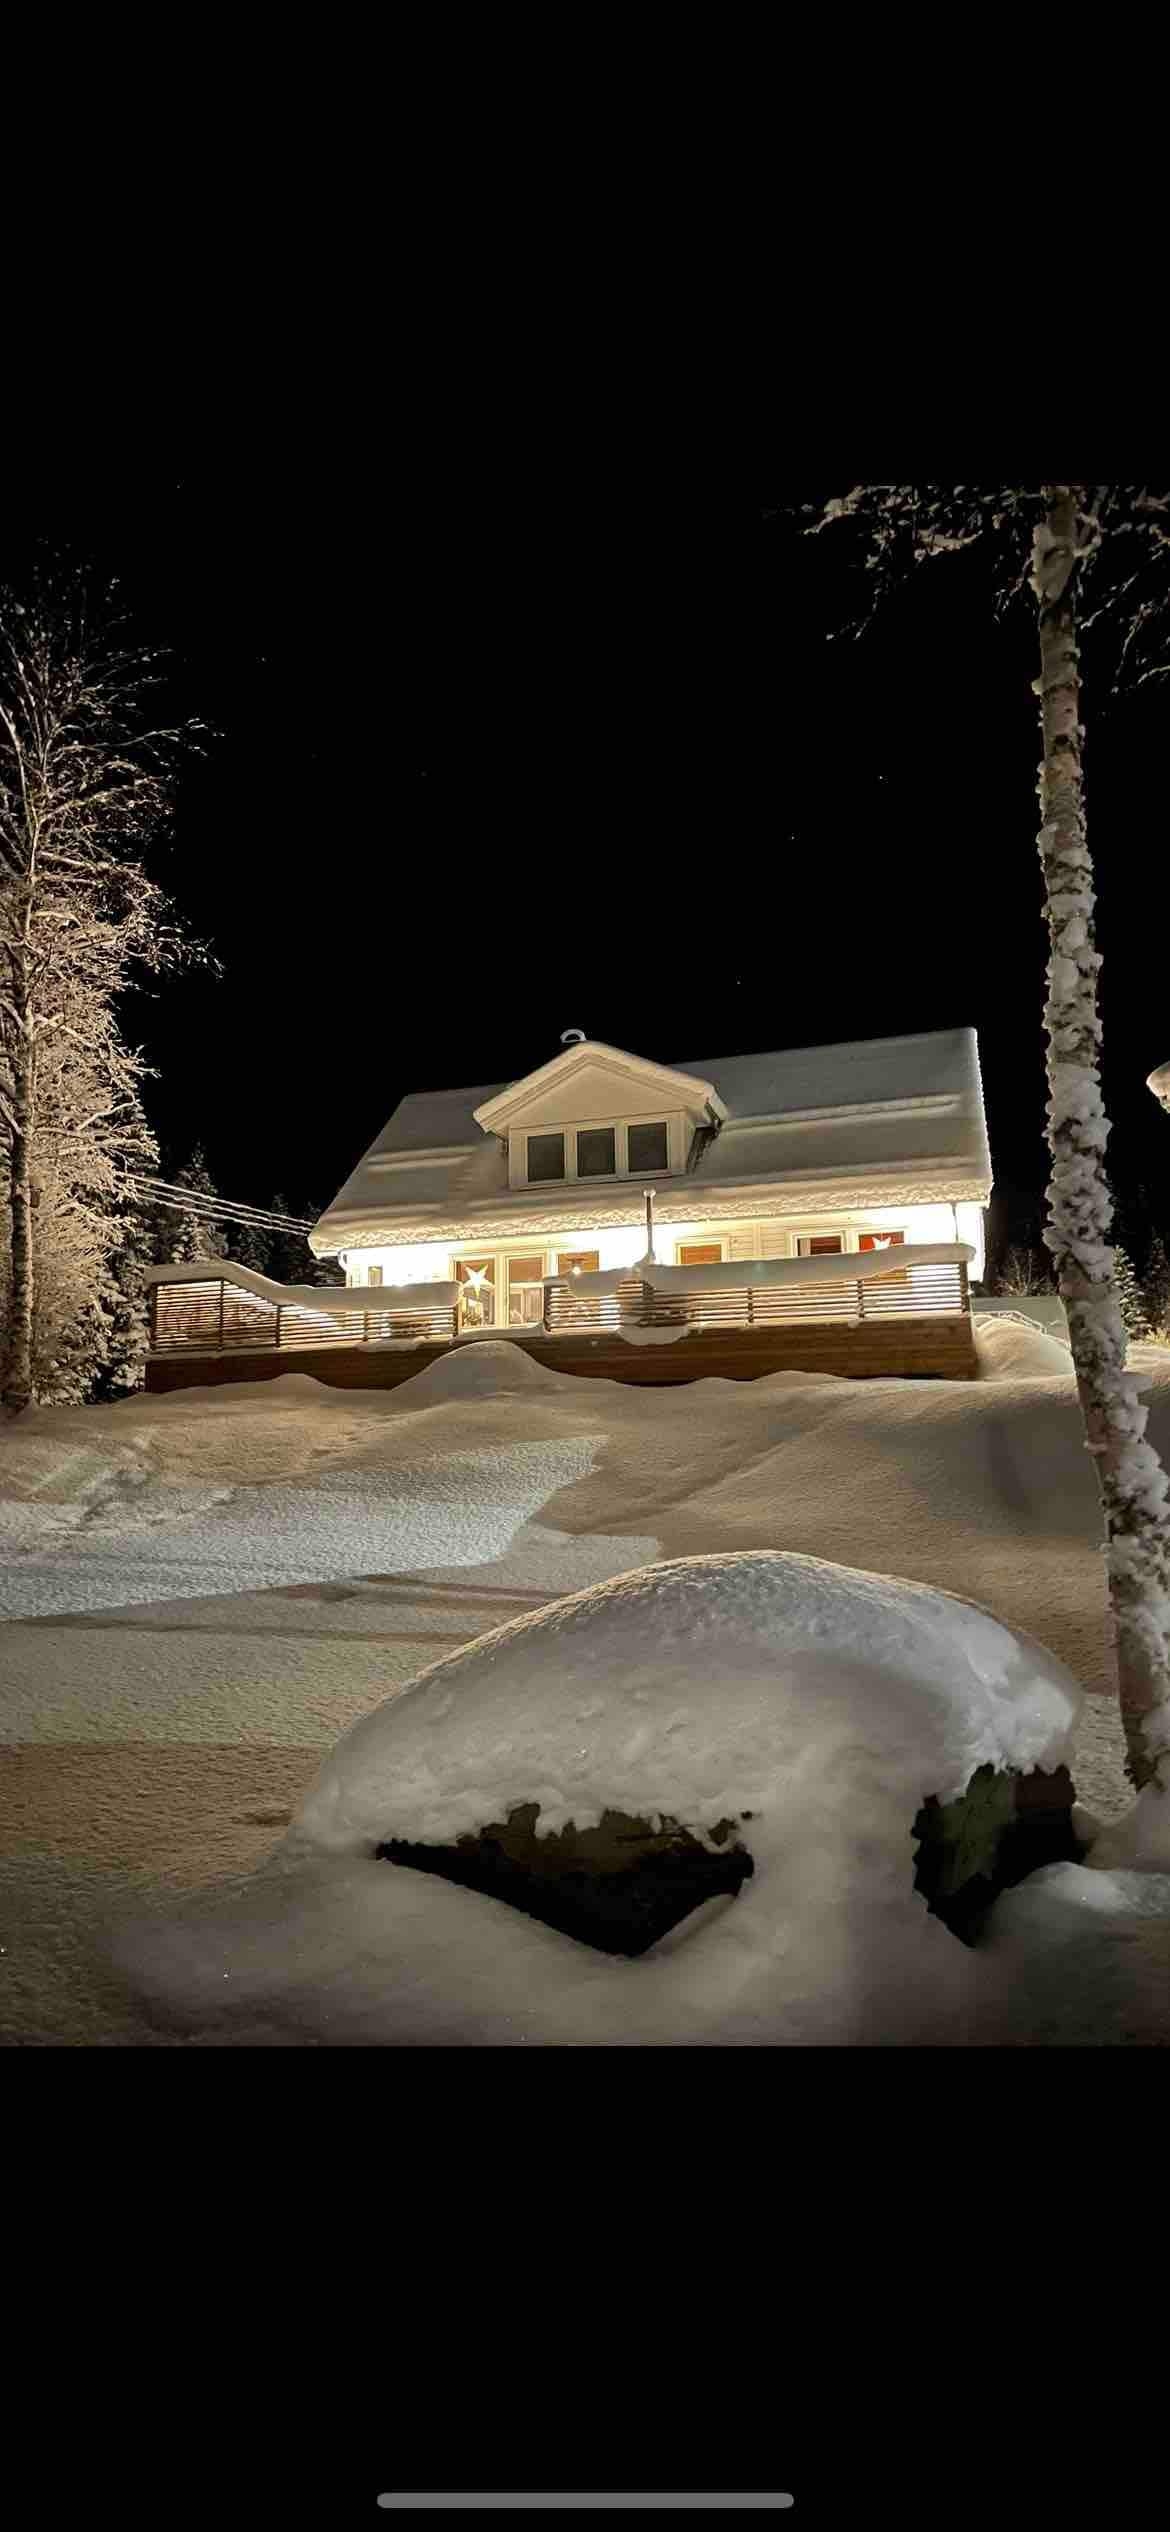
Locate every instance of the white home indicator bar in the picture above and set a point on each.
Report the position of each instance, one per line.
(400, 2501)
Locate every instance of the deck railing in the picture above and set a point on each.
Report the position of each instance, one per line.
(217, 1317)
(566, 1306)
(912, 1292)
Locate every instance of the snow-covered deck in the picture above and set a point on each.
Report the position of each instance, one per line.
(906, 1315)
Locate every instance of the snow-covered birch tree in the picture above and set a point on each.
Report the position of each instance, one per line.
(1083, 554)
(86, 776)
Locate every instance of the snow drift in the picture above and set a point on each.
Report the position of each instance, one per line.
(1008, 1349)
(814, 1705)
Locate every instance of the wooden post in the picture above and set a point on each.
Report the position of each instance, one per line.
(860, 1299)
(152, 1319)
(751, 1316)
(222, 1290)
(964, 1291)
(649, 1194)
(277, 1340)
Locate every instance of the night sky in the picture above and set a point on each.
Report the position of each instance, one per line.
(553, 752)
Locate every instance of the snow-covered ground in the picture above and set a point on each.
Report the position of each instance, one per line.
(203, 1592)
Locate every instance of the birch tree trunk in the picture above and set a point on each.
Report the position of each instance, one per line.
(1132, 1481)
(18, 1332)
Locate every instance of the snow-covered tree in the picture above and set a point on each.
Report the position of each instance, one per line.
(1023, 1271)
(292, 1260)
(1065, 545)
(85, 785)
(181, 1237)
(125, 1307)
(250, 1244)
(1156, 1286)
(78, 1152)
(1131, 1299)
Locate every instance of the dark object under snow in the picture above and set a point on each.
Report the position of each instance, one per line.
(1005, 1826)
(619, 1887)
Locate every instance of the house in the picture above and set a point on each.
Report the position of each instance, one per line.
(605, 1191)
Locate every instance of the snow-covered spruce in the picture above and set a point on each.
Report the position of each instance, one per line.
(1132, 1480)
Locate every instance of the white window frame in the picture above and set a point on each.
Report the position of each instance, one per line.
(677, 1138)
(714, 1239)
(501, 1253)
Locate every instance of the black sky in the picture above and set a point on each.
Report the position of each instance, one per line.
(550, 751)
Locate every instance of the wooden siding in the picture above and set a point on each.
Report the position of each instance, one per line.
(940, 1348)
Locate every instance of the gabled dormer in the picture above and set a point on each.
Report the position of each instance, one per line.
(595, 1113)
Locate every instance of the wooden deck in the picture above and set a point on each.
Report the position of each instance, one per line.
(939, 1348)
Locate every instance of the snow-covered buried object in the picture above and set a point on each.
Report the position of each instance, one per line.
(700, 1688)
(815, 1705)
(1010, 1349)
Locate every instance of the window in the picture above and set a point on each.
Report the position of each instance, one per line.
(595, 1152)
(692, 1254)
(546, 1156)
(647, 1149)
(828, 1245)
(578, 1261)
(886, 1239)
(525, 1296)
(476, 1277)
(375, 1274)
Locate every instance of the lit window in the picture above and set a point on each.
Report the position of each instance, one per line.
(647, 1149)
(701, 1254)
(525, 1293)
(375, 1274)
(476, 1277)
(886, 1239)
(578, 1261)
(830, 1244)
(546, 1156)
(595, 1152)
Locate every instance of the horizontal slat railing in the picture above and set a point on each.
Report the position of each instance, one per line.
(220, 1317)
(912, 1293)
(566, 1306)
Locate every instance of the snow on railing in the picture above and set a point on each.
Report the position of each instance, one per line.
(214, 1306)
(849, 1264)
(910, 1280)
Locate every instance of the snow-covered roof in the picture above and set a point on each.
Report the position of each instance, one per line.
(896, 1120)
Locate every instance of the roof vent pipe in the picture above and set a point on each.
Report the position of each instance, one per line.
(572, 1037)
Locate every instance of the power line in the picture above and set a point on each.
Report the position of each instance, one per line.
(178, 1199)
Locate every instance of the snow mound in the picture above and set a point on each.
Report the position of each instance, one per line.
(775, 1683)
(1008, 1349)
(1080, 1958)
(1140, 1840)
(813, 1705)
(288, 1389)
(487, 1368)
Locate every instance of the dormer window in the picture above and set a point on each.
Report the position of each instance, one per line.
(584, 1152)
(546, 1157)
(596, 1154)
(593, 1113)
(647, 1149)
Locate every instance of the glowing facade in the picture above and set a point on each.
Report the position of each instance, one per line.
(806, 1152)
